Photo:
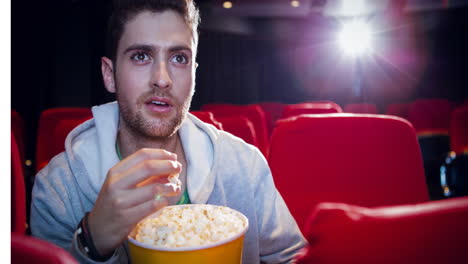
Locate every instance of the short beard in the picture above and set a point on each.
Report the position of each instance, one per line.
(156, 129)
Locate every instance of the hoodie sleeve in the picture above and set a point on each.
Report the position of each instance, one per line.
(56, 209)
(279, 236)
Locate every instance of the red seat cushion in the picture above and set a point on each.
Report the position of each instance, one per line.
(369, 160)
(426, 233)
(27, 250)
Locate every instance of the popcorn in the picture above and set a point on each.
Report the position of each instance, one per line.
(174, 182)
(188, 226)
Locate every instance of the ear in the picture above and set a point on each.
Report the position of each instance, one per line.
(107, 69)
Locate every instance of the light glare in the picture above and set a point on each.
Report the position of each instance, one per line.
(355, 38)
(295, 3)
(227, 4)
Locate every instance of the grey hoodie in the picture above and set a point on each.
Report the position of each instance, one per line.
(221, 170)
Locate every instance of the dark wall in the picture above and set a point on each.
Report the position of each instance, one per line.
(57, 45)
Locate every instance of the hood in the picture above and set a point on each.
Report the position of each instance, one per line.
(90, 151)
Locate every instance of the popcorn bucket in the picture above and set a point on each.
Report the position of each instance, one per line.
(228, 251)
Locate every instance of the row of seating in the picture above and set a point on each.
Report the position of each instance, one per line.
(254, 122)
(343, 218)
(428, 116)
(366, 161)
(356, 186)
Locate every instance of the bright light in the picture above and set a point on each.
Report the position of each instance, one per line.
(295, 3)
(355, 38)
(227, 4)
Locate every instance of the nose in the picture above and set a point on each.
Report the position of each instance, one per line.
(161, 77)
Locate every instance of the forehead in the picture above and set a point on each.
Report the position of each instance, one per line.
(161, 29)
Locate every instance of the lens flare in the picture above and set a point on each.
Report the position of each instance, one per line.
(355, 38)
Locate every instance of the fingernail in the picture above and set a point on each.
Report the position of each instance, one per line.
(176, 164)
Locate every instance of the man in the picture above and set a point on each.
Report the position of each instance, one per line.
(115, 165)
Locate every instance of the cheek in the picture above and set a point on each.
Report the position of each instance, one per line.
(184, 80)
(130, 82)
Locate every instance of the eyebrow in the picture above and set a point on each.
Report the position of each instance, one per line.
(150, 48)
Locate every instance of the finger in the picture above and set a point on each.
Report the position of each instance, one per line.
(137, 196)
(137, 213)
(147, 170)
(140, 156)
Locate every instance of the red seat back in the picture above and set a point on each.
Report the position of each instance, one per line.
(60, 133)
(310, 108)
(207, 117)
(241, 127)
(253, 112)
(18, 190)
(273, 111)
(459, 130)
(430, 116)
(17, 127)
(426, 233)
(369, 160)
(27, 250)
(400, 110)
(363, 108)
(47, 124)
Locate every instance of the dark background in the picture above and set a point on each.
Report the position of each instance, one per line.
(57, 45)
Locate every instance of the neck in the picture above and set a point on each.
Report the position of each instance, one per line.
(129, 142)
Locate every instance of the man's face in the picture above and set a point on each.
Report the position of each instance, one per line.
(154, 74)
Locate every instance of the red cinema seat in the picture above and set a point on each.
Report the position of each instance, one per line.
(368, 160)
(431, 120)
(454, 171)
(424, 233)
(241, 127)
(60, 133)
(459, 130)
(253, 112)
(361, 108)
(18, 190)
(430, 116)
(18, 129)
(47, 125)
(400, 110)
(335, 105)
(273, 111)
(27, 250)
(207, 117)
(310, 108)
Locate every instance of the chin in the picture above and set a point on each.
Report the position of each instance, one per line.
(161, 129)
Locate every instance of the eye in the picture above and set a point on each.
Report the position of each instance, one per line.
(140, 57)
(180, 59)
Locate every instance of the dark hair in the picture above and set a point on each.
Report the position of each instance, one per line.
(125, 10)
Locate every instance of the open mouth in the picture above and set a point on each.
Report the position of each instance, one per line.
(159, 105)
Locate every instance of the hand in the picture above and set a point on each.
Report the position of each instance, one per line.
(127, 196)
